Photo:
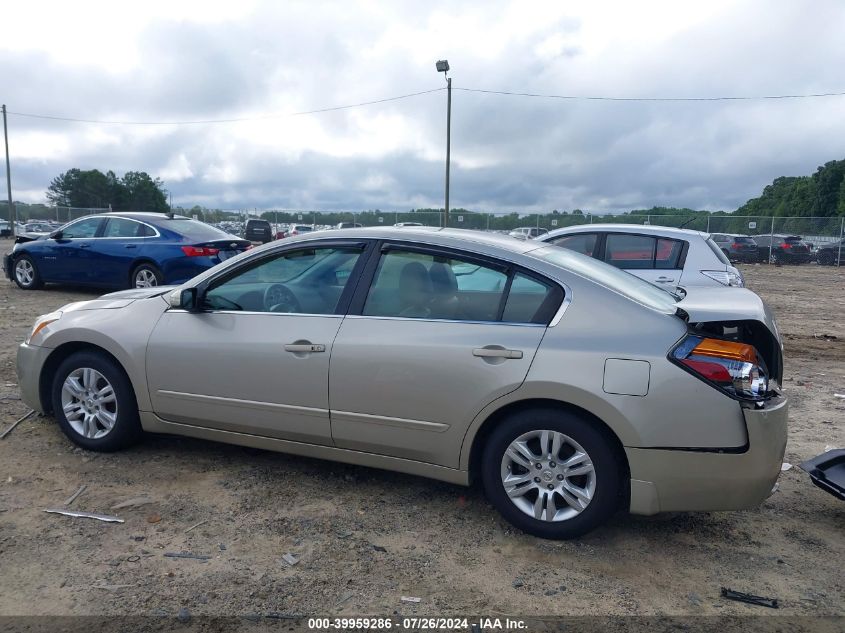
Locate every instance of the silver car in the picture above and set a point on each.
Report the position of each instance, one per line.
(567, 387)
(658, 254)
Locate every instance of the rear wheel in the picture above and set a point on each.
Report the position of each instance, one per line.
(146, 276)
(826, 258)
(94, 403)
(551, 473)
(26, 274)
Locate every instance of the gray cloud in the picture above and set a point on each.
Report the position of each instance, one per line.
(509, 153)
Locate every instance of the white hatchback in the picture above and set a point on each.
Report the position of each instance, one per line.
(658, 254)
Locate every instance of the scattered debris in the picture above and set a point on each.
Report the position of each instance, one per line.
(517, 583)
(73, 497)
(345, 598)
(825, 337)
(222, 546)
(290, 559)
(132, 503)
(379, 548)
(85, 515)
(411, 599)
(748, 598)
(345, 533)
(31, 411)
(133, 559)
(827, 471)
(196, 525)
(184, 615)
(836, 395)
(154, 518)
(785, 466)
(187, 555)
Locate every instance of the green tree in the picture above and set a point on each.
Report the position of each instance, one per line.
(135, 191)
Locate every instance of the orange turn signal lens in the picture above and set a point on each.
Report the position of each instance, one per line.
(726, 349)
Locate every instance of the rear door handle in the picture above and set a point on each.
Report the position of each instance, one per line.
(130, 246)
(305, 348)
(665, 279)
(84, 246)
(495, 352)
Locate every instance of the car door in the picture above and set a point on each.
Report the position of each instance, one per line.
(121, 244)
(70, 258)
(584, 243)
(432, 337)
(255, 359)
(655, 259)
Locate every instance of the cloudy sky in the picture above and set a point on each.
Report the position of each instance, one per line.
(262, 61)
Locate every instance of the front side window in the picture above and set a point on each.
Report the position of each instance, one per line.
(427, 286)
(82, 229)
(584, 243)
(302, 281)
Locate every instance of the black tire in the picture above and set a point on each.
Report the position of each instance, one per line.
(826, 258)
(20, 279)
(127, 425)
(607, 471)
(150, 272)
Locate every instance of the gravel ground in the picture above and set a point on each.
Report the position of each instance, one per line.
(364, 538)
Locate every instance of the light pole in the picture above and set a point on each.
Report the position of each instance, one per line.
(443, 67)
(12, 214)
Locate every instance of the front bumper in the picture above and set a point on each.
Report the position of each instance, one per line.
(31, 359)
(666, 480)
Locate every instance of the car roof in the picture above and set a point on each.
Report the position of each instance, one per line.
(446, 236)
(646, 229)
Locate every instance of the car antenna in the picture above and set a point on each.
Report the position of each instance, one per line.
(687, 222)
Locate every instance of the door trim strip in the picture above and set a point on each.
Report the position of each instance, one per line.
(402, 423)
(248, 404)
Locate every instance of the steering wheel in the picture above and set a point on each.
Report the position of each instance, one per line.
(279, 298)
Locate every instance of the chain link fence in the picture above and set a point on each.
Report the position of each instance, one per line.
(824, 234)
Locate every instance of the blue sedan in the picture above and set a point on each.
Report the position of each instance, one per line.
(120, 250)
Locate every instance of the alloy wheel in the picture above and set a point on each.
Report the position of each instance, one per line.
(548, 475)
(24, 272)
(89, 403)
(145, 278)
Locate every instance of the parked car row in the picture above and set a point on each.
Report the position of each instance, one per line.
(120, 250)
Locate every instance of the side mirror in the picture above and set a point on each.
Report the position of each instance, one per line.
(56, 235)
(185, 299)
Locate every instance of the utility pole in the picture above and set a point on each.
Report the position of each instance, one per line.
(12, 214)
(443, 67)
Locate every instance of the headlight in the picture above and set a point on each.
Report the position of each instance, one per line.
(41, 322)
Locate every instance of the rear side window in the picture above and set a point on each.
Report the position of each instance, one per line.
(634, 252)
(584, 243)
(526, 299)
(717, 251)
(667, 254)
(121, 227)
(743, 240)
(422, 285)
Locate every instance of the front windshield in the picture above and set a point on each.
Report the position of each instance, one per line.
(609, 276)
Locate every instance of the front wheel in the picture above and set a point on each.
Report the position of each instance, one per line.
(551, 473)
(26, 273)
(94, 403)
(146, 276)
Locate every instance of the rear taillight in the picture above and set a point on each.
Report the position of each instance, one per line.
(786, 246)
(735, 246)
(200, 251)
(732, 367)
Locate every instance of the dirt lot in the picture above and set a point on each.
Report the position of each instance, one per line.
(364, 538)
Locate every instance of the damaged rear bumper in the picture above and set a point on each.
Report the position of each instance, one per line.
(669, 480)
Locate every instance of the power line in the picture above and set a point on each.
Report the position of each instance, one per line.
(232, 120)
(597, 98)
(425, 92)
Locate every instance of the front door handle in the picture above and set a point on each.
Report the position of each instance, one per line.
(130, 246)
(665, 279)
(496, 352)
(84, 246)
(305, 348)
